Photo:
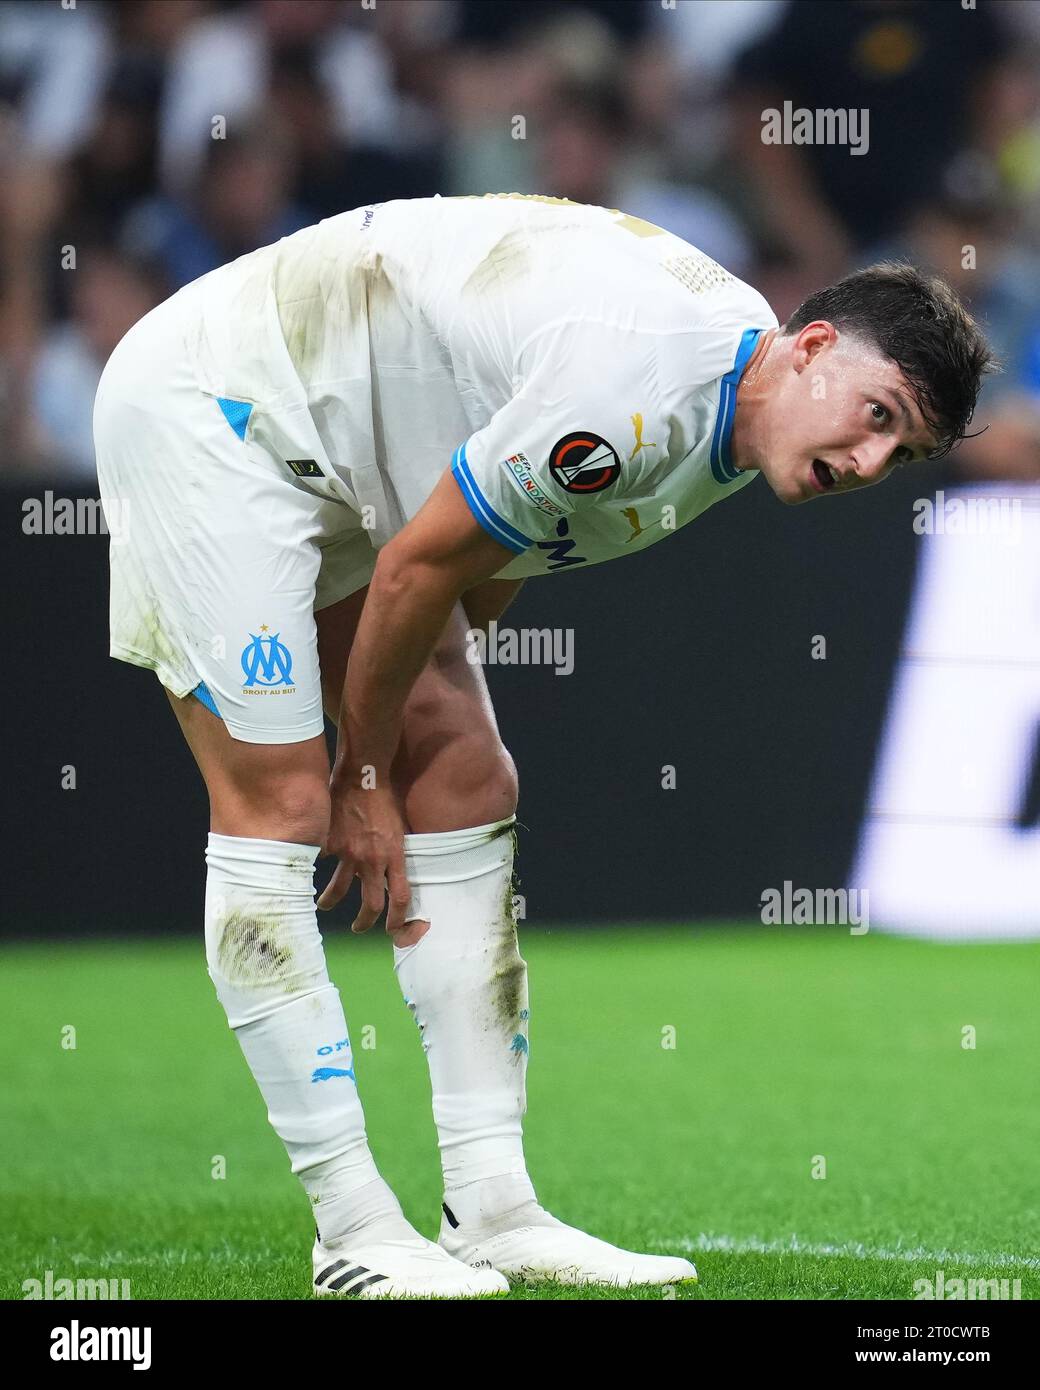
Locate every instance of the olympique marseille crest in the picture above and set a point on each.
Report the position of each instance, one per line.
(267, 664)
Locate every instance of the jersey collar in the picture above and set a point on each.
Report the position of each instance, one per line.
(722, 467)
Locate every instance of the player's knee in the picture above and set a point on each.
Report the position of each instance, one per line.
(293, 807)
(304, 808)
(508, 782)
(482, 772)
(472, 782)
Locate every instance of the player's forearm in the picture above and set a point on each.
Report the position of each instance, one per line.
(408, 604)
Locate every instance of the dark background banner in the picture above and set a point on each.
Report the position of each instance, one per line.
(695, 654)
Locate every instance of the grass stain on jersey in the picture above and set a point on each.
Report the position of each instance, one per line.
(379, 290)
(147, 637)
(508, 259)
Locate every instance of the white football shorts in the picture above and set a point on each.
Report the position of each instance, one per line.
(219, 555)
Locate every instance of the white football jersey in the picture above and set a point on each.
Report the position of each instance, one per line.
(575, 367)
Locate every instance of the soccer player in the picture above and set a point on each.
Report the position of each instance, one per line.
(339, 454)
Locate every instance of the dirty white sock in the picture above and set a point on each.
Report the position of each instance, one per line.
(266, 960)
(466, 985)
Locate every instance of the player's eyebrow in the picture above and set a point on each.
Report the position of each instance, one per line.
(904, 409)
(908, 420)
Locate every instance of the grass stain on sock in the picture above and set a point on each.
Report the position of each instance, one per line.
(250, 950)
(509, 971)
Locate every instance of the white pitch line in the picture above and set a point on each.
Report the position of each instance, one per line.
(703, 1244)
(792, 1245)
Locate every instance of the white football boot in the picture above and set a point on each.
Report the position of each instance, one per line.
(367, 1267)
(528, 1243)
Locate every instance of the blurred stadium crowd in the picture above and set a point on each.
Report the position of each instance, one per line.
(144, 142)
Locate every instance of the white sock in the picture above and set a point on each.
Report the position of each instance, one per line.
(266, 960)
(466, 985)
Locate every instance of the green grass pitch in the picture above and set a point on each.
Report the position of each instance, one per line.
(790, 1043)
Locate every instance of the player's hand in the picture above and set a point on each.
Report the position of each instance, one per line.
(367, 835)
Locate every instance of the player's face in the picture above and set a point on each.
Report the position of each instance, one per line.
(843, 418)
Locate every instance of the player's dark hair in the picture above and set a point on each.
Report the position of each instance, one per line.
(918, 322)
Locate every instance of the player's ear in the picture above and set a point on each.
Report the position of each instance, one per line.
(810, 341)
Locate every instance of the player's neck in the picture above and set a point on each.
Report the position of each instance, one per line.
(753, 390)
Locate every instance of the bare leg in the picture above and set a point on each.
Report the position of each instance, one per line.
(451, 770)
(263, 791)
(457, 958)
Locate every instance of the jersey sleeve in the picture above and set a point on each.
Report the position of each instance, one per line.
(559, 445)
